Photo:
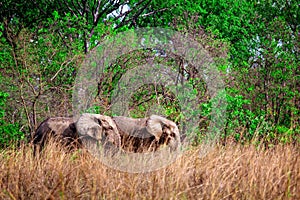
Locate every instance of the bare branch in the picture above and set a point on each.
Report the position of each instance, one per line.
(96, 13)
(154, 12)
(63, 65)
(136, 15)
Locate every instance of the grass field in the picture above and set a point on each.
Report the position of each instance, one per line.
(230, 172)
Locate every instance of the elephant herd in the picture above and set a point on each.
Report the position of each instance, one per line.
(126, 134)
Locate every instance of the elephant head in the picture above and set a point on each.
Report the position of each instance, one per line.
(98, 127)
(60, 128)
(147, 134)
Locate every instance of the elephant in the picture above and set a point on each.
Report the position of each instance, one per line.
(123, 133)
(71, 133)
(99, 128)
(59, 128)
(147, 134)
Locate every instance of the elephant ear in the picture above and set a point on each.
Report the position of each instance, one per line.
(97, 126)
(154, 126)
(87, 125)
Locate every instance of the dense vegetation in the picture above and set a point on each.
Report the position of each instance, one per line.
(234, 172)
(255, 45)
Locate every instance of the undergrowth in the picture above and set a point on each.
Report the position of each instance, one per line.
(230, 172)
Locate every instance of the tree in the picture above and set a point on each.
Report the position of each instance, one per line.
(42, 44)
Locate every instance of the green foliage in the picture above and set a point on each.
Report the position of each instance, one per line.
(255, 45)
(245, 126)
(39, 66)
(9, 133)
(240, 120)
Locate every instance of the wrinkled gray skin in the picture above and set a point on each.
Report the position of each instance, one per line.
(64, 129)
(99, 128)
(132, 135)
(147, 134)
(59, 128)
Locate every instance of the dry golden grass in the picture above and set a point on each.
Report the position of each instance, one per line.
(232, 172)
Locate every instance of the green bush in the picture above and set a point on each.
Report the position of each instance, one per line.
(9, 133)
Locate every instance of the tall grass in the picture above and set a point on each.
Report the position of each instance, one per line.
(232, 172)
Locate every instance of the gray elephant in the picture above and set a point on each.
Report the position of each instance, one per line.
(70, 133)
(58, 128)
(131, 135)
(95, 128)
(147, 134)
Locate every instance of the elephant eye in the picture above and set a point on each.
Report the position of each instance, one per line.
(99, 121)
(172, 135)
